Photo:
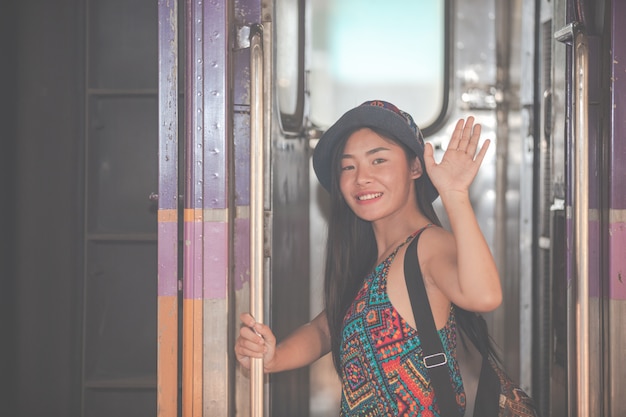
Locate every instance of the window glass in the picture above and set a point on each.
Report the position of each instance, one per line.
(287, 54)
(392, 50)
(289, 62)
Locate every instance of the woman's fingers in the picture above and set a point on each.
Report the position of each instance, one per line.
(466, 133)
(249, 335)
(248, 345)
(255, 340)
(247, 319)
(262, 331)
(472, 141)
(460, 161)
(482, 152)
(465, 136)
(457, 134)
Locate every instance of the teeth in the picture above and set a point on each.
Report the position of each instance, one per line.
(369, 196)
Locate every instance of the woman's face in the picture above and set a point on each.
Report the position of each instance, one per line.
(375, 178)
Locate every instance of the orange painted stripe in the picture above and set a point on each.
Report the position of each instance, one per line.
(192, 215)
(167, 216)
(167, 357)
(192, 357)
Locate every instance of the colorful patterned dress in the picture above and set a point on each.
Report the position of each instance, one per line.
(383, 374)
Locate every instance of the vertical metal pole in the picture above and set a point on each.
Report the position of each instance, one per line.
(578, 303)
(256, 211)
(581, 217)
(167, 295)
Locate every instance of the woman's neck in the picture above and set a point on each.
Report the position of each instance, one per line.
(390, 235)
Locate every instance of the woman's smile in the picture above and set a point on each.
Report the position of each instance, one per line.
(368, 197)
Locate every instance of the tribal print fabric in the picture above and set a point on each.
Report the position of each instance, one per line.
(382, 369)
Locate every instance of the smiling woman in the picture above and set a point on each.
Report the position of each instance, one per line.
(380, 176)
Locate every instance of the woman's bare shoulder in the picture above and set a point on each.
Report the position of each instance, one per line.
(436, 238)
(436, 246)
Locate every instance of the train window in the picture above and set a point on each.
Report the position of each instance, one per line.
(290, 62)
(393, 50)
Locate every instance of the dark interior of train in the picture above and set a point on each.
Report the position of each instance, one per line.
(7, 207)
(43, 76)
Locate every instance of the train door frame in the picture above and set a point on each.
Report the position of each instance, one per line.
(586, 122)
(216, 219)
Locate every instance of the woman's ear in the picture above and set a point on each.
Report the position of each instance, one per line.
(416, 168)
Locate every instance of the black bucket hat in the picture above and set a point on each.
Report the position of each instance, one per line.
(376, 114)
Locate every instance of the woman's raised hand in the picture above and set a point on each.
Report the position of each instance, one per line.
(255, 340)
(460, 162)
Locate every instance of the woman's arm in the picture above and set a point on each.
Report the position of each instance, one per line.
(301, 348)
(461, 264)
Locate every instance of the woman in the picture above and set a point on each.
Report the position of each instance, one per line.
(382, 179)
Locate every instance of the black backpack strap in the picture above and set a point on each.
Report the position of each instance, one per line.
(472, 331)
(488, 393)
(434, 358)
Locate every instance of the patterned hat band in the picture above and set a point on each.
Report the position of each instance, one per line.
(406, 116)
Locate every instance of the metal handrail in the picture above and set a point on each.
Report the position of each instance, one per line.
(581, 215)
(580, 211)
(257, 192)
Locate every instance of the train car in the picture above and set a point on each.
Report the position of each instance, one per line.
(158, 182)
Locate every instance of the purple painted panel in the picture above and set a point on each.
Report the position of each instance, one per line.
(168, 259)
(192, 285)
(215, 260)
(617, 261)
(194, 106)
(168, 106)
(242, 253)
(618, 153)
(216, 103)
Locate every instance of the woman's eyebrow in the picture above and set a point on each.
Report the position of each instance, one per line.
(375, 150)
(370, 152)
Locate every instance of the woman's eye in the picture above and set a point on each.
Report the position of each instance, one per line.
(378, 161)
(347, 168)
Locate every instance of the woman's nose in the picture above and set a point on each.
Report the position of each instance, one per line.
(362, 176)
